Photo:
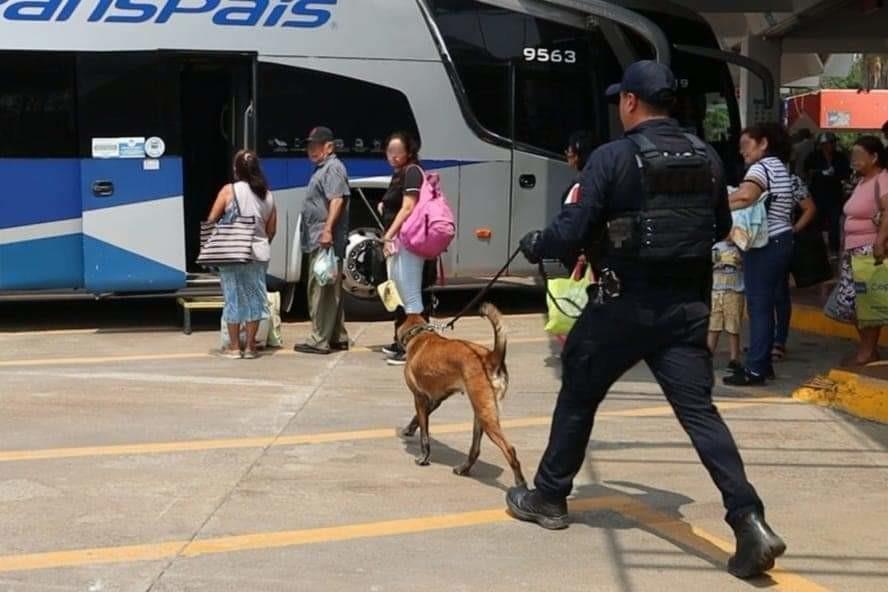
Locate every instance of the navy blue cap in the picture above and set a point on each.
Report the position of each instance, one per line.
(648, 80)
(320, 135)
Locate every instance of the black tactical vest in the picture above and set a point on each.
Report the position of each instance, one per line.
(676, 221)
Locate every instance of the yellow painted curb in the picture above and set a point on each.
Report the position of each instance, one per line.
(811, 319)
(852, 393)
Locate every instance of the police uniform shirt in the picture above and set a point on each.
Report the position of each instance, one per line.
(611, 183)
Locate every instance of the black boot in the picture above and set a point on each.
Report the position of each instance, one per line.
(757, 546)
(529, 505)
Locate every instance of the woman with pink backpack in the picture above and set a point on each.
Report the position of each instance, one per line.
(410, 241)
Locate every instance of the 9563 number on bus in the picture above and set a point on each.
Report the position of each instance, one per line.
(551, 56)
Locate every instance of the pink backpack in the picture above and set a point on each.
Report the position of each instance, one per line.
(430, 228)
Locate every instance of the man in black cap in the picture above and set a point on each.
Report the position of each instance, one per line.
(655, 202)
(325, 226)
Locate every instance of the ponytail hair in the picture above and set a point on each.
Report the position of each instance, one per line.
(248, 170)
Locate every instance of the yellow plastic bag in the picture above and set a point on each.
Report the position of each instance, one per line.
(388, 293)
(571, 296)
(871, 287)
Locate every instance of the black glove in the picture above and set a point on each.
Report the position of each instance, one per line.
(528, 246)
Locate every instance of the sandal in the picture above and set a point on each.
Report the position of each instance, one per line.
(778, 353)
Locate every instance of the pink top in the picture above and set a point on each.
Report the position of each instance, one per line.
(859, 211)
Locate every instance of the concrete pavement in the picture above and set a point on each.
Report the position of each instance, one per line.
(137, 461)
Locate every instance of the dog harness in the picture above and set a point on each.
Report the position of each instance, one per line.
(417, 330)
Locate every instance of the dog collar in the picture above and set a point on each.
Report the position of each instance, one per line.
(414, 331)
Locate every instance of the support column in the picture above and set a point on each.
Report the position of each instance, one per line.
(769, 53)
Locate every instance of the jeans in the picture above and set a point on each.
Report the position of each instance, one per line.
(782, 313)
(765, 272)
(668, 331)
(406, 272)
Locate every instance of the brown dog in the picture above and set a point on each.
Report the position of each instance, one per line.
(438, 368)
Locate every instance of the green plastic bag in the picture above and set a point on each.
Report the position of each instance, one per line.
(871, 288)
(571, 296)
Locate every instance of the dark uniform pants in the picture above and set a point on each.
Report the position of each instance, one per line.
(668, 331)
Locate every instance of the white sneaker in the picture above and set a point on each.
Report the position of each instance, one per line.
(397, 360)
(392, 350)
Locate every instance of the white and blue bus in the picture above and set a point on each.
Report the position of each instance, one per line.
(119, 118)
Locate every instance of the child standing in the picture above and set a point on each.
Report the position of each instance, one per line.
(727, 299)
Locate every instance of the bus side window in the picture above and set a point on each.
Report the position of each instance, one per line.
(327, 99)
(37, 105)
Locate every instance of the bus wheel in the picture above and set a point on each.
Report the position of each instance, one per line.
(361, 300)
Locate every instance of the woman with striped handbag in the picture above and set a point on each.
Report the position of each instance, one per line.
(236, 239)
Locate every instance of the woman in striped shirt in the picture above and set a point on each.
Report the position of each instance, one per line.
(765, 149)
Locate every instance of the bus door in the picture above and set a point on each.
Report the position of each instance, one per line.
(543, 117)
(217, 120)
(131, 171)
(558, 85)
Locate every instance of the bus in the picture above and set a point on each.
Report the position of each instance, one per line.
(119, 119)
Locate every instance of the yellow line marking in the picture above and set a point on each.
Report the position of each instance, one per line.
(181, 356)
(324, 437)
(101, 359)
(664, 526)
(705, 543)
(95, 556)
(369, 530)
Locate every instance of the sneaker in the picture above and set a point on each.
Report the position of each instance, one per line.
(392, 350)
(399, 359)
(744, 378)
(251, 355)
(528, 505)
(231, 354)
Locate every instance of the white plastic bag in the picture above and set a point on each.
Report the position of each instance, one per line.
(325, 268)
(269, 331)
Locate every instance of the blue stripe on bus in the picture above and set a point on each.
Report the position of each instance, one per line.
(39, 190)
(132, 183)
(42, 264)
(113, 269)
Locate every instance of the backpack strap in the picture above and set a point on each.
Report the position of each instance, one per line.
(646, 148)
(698, 145)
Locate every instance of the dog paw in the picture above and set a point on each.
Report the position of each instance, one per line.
(462, 470)
(422, 461)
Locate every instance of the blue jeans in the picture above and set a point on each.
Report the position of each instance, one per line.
(406, 271)
(782, 313)
(764, 272)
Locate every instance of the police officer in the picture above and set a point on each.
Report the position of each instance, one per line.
(657, 201)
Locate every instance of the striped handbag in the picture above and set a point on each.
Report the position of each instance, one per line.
(229, 240)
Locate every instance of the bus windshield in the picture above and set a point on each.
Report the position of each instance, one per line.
(533, 81)
(526, 79)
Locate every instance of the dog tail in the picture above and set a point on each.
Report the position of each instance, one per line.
(498, 356)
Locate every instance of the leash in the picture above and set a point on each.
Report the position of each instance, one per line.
(483, 292)
(555, 299)
(474, 302)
